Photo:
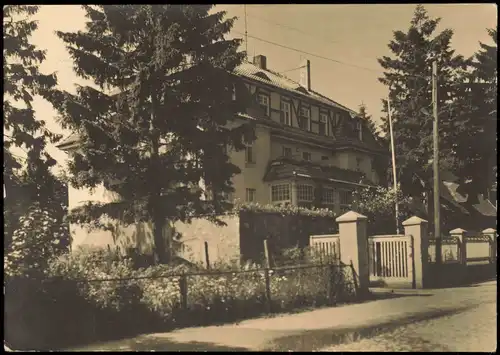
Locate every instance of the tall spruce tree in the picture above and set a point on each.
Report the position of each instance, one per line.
(380, 163)
(27, 176)
(485, 75)
(370, 123)
(408, 75)
(168, 123)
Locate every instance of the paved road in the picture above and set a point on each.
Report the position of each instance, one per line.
(466, 331)
(457, 319)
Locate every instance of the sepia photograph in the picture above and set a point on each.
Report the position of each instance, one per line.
(250, 177)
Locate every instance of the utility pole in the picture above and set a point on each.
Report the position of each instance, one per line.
(435, 132)
(246, 33)
(395, 183)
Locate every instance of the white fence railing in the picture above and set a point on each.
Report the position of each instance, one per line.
(326, 247)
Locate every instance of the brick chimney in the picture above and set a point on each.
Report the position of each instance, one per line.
(305, 74)
(260, 61)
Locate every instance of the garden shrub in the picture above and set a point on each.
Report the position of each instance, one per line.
(152, 302)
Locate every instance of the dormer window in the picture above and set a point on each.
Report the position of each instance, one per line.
(262, 76)
(323, 127)
(304, 118)
(359, 129)
(286, 113)
(263, 100)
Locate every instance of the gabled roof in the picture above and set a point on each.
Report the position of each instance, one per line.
(253, 72)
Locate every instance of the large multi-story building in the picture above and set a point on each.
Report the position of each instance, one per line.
(309, 151)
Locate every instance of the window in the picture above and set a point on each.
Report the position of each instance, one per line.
(286, 113)
(305, 193)
(264, 103)
(323, 126)
(359, 129)
(287, 152)
(249, 155)
(250, 195)
(304, 116)
(305, 112)
(328, 197)
(337, 119)
(345, 199)
(280, 192)
(306, 156)
(324, 157)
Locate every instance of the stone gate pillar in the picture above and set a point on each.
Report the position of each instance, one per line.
(417, 228)
(354, 245)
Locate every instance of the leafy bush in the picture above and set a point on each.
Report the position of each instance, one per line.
(152, 300)
(39, 238)
(378, 204)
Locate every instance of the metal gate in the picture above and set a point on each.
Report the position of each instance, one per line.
(391, 261)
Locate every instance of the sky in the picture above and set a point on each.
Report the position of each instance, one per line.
(354, 35)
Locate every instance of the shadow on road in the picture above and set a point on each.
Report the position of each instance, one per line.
(313, 340)
(152, 343)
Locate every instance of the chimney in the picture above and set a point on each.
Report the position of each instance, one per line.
(305, 74)
(260, 61)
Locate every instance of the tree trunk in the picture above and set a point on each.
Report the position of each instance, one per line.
(162, 249)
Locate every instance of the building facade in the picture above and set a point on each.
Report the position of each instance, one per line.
(309, 151)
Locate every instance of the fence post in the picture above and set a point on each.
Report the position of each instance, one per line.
(267, 277)
(329, 283)
(184, 290)
(492, 234)
(207, 259)
(354, 246)
(460, 234)
(417, 227)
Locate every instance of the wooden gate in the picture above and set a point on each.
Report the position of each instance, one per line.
(391, 261)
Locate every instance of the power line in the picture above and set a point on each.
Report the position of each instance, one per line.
(292, 28)
(327, 58)
(311, 54)
(286, 71)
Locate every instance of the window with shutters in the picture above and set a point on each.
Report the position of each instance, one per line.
(306, 156)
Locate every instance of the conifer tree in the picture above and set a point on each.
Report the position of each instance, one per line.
(408, 75)
(28, 179)
(160, 117)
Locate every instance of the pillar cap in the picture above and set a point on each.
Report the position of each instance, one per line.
(458, 231)
(413, 221)
(489, 230)
(350, 216)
